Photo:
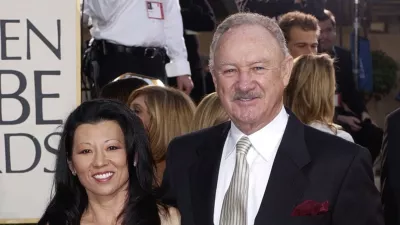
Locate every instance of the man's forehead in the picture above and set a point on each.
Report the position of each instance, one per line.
(325, 24)
(303, 36)
(248, 31)
(247, 35)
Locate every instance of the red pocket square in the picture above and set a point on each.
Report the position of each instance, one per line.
(310, 208)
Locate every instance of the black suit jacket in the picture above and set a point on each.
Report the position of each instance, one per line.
(197, 15)
(390, 177)
(346, 83)
(309, 165)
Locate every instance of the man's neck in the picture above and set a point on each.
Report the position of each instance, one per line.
(251, 128)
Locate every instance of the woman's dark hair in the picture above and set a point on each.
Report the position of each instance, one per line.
(70, 199)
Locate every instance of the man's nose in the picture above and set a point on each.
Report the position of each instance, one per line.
(323, 35)
(245, 81)
(310, 50)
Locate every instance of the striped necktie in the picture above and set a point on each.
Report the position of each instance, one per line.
(234, 207)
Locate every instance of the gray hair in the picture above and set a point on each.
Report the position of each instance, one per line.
(240, 19)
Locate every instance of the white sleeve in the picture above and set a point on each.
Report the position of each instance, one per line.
(176, 49)
(84, 9)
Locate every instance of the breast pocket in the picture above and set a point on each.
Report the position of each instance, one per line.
(309, 220)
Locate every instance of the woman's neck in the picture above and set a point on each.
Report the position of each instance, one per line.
(105, 209)
(160, 167)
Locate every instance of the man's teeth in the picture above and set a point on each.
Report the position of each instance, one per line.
(103, 176)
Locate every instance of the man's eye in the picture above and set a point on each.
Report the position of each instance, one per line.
(258, 68)
(229, 71)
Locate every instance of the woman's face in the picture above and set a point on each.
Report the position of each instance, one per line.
(99, 158)
(138, 105)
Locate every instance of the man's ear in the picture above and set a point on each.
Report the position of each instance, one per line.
(286, 69)
(71, 167)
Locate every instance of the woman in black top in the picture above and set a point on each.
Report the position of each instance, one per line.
(104, 171)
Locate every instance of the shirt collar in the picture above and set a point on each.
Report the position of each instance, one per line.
(265, 140)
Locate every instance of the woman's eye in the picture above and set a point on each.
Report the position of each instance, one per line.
(112, 148)
(85, 151)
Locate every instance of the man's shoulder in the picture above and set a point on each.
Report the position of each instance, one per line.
(192, 140)
(330, 147)
(343, 51)
(395, 115)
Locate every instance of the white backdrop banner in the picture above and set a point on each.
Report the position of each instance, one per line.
(39, 86)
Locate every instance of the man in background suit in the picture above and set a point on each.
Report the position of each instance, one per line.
(197, 16)
(351, 112)
(390, 181)
(301, 33)
(265, 166)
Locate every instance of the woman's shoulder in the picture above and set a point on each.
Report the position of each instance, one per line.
(170, 216)
(343, 134)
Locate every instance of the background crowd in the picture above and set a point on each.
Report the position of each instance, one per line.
(157, 103)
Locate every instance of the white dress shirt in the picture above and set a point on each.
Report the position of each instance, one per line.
(126, 22)
(261, 156)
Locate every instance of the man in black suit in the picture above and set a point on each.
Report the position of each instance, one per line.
(390, 181)
(351, 112)
(265, 166)
(197, 16)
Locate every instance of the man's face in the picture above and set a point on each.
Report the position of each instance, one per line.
(328, 35)
(302, 42)
(250, 74)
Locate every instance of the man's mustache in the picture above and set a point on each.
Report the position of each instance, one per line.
(246, 95)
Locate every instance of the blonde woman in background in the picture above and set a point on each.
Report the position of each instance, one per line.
(209, 113)
(166, 113)
(310, 93)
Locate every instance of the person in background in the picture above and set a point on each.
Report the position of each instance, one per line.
(135, 36)
(209, 113)
(275, 8)
(166, 113)
(120, 89)
(197, 16)
(351, 111)
(301, 32)
(104, 170)
(390, 182)
(310, 93)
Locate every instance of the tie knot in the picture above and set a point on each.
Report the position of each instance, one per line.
(243, 145)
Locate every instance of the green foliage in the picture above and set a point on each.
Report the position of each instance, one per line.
(384, 73)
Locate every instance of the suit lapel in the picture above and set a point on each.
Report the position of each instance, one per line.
(204, 175)
(287, 181)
